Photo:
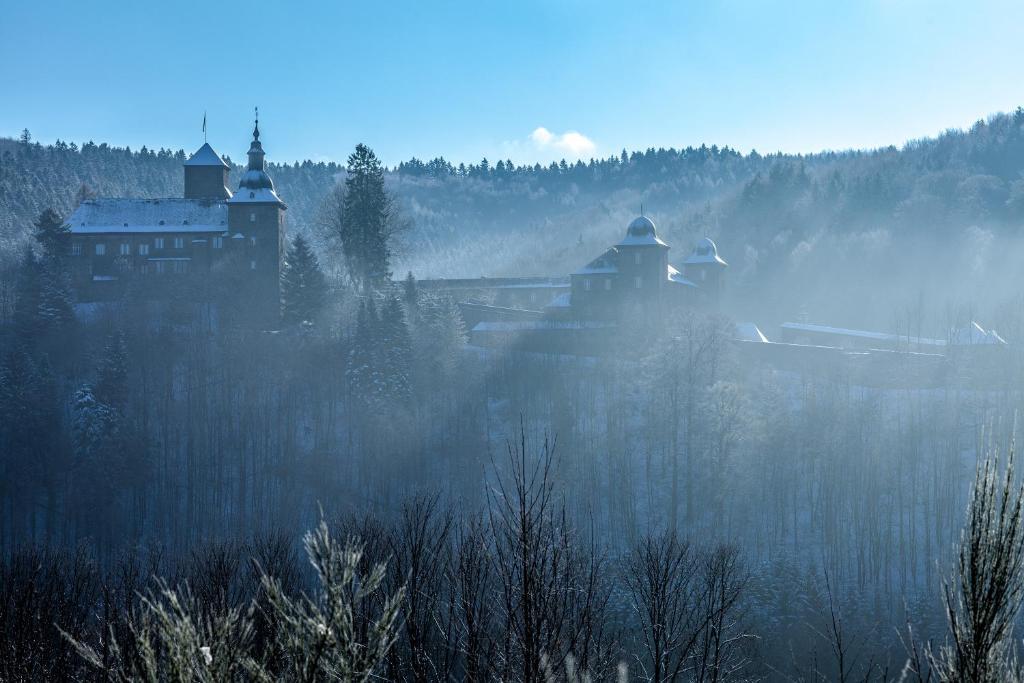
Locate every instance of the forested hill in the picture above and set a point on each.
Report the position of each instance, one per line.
(943, 212)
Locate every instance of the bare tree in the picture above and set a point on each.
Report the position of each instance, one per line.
(551, 597)
(685, 602)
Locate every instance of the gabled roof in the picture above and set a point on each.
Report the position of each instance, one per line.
(974, 334)
(99, 216)
(205, 156)
(603, 264)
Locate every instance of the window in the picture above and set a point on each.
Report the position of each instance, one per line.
(703, 275)
(638, 282)
(607, 285)
(218, 242)
(143, 250)
(252, 217)
(252, 241)
(126, 249)
(76, 249)
(586, 285)
(636, 258)
(101, 249)
(179, 242)
(158, 243)
(181, 266)
(144, 268)
(252, 265)
(159, 266)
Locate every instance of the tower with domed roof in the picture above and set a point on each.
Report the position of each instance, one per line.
(633, 280)
(256, 217)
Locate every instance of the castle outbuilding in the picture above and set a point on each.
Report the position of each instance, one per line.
(635, 277)
(194, 246)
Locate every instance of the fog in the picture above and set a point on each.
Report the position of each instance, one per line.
(637, 490)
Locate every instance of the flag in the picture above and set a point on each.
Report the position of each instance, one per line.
(204, 121)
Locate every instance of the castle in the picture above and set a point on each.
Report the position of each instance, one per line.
(196, 246)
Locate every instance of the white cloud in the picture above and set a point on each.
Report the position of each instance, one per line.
(570, 143)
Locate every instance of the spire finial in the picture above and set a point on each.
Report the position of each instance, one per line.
(641, 208)
(256, 130)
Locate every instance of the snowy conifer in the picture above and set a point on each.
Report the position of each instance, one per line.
(302, 284)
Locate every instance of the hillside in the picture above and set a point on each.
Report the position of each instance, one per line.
(940, 216)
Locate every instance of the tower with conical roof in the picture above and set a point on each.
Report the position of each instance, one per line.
(206, 175)
(256, 217)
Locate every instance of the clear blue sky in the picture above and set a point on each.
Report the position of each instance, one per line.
(473, 79)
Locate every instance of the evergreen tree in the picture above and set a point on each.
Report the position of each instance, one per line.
(51, 234)
(27, 292)
(363, 365)
(396, 347)
(366, 219)
(303, 290)
(112, 377)
(440, 337)
(55, 308)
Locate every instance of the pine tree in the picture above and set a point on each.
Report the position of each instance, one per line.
(366, 220)
(52, 234)
(56, 302)
(440, 337)
(363, 369)
(27, 289)
(303, 289)
(396, 356)
(112, 377)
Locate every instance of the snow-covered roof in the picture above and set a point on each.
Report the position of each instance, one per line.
(677, 277)
(263, 195)
(526, 325)
(205, 156)
(602, 265)
(974, 334)
(640, 233)
(705, 252)
(750, 332)
(862, 334)
(100, 216)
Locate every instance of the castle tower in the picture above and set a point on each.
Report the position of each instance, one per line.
(206, 175)
(705, 268)
(257, 214)
(643, 262)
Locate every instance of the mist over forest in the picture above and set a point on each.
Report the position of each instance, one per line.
(352, 478)
(937, 220)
